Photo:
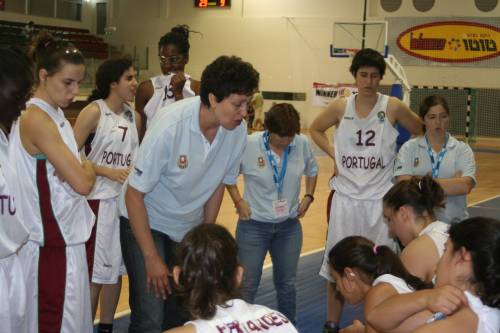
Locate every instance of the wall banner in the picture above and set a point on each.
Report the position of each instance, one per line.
(323, 93)
(469, 42)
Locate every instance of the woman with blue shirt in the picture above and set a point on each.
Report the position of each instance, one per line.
(449, 161)
(273, 164)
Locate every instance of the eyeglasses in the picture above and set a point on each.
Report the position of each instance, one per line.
(171, 60)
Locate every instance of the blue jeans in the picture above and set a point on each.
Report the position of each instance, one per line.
(283, 241)
(149, 313)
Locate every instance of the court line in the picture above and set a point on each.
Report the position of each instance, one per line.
(481, 201)
(127, 312)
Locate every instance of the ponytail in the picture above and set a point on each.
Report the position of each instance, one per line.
(108, 72)
(208, 260)
(361, 253)
(50, 53)
(423, 194)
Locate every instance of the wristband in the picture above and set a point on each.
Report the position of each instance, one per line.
(310, 196)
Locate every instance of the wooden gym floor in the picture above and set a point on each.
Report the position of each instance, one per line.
(314, 223)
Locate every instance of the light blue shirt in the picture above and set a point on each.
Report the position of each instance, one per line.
(260, 188)
(413, 159)
(179, 170)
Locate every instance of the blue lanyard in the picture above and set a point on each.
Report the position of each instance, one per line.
(436, 163)
(277, 177)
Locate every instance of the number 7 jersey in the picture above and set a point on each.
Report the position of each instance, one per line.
(365, 150)
(114, 146)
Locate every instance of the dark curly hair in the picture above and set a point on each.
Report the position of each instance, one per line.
(423, 194)
(108, 72)
(360, 252)
(50, 54)
(368, 58)
(282, 119)
(228, 75)
(16, 82)
(208, 256)
(481, 237)
(178, 36)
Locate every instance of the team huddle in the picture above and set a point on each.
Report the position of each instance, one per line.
(134, 188)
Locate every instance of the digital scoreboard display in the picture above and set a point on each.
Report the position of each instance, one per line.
(212, 3)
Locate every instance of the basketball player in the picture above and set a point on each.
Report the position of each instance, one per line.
(110, 127)
(364, 152)
(16, 80)
(173, 84)
(50, 190)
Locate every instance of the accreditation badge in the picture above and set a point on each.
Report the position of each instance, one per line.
(280, 208)
(182, 163)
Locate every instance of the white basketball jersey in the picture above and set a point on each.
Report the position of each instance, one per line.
(163, 94)
(397, 283)
(43, 198)
(438, 232)
(13, 233)
(488, 317)
(240, 316)
(114, 146)
(365, 150)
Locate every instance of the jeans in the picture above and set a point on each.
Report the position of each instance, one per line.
(284, 242)
(148, 312)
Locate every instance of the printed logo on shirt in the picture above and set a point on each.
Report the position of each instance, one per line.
(138, 172)
(128, 115)
(381, 116)
(416, 162)
(260, 162)
(7, 205)
(116, 159)
(349, 118)
(362, 162)
(264, 323)
(182, 163)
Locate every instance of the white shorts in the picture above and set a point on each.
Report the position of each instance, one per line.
(12, 296)
(59, 301)
(107, 258)
(351, 217)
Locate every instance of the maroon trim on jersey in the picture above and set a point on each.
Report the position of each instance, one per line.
(90, 243)
(52, 260)
(51, 288)
(329, 206)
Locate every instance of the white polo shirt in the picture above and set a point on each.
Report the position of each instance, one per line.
(179, 170)
(413, 159)
(260, 188)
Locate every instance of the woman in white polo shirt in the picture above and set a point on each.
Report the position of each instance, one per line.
(451, 162)
(273, 164)
(178, 180)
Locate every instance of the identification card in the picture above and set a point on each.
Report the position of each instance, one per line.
(280, 208)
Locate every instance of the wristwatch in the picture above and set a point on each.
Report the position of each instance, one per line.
(330, 327)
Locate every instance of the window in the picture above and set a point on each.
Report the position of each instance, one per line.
(16, 6)
(41, 8)
(69, 9)
(62, 9)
